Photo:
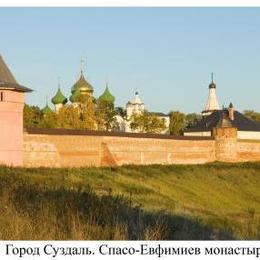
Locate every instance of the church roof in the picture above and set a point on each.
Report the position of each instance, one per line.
(212, 85)
(82, 84)
(136, 100)
(224, 121)
(7, 80)
(107, 96)
(220, 118)
(212, 101)
(59, 98)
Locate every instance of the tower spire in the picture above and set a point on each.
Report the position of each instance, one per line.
(58, 79)
(83, 65)
(82, 61)
(212, 102)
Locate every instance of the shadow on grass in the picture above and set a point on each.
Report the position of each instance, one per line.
(35, 212)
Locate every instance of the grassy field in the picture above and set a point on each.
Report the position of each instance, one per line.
(211, 201)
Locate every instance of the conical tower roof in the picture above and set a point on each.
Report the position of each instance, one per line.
(7, 80)
(107, 96)
(59, 98)
(5, 74)
(82, 84)
(46, 109)
(212, 102)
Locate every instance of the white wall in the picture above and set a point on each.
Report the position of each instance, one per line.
(197, 134)
(248, 135)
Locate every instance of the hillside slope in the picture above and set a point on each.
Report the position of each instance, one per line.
(212, 201)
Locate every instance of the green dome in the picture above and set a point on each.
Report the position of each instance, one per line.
(107, 96)
(59, 98)
(46, 109)
(75, 95)
(82, 85)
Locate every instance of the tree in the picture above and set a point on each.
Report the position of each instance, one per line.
(192, 119)
(121, 112)
(68, 117)
(252, 115)
(177, 122)
(87, 112)
(32, 116)
(80, 115)
(49, 120)
(147, 123)
(106, 116)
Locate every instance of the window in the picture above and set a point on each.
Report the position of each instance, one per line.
(1, 96)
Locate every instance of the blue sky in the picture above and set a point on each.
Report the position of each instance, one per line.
(167, 54)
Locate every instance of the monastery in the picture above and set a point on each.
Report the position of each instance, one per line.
(83, 87)
(221, 135)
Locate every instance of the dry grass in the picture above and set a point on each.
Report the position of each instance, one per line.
(213, 201)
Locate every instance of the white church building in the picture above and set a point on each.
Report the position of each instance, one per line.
(136, 106)
(212, 115)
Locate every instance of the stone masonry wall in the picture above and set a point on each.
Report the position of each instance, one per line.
(61, 150)
(69, 150)
(248, 150)
(84, 150)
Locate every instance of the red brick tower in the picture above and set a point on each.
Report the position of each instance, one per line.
(11, 117)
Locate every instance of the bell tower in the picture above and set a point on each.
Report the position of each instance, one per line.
(212, 102)
(11, 117)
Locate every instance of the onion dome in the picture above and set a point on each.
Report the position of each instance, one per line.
(82, 85)
(59, 98)
(46, 109)
(76, 93)
(136, 99)
(107, 96)
(212, 84)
